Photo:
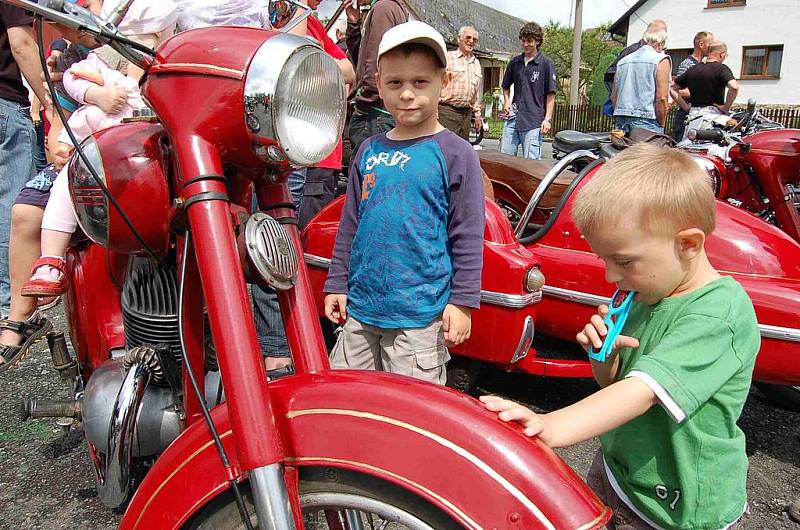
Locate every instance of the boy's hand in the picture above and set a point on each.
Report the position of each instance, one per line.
(533, 424)
(595, 331)
(336, 308)
(457, 324)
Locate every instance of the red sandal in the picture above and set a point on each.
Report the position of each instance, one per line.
(40, 287)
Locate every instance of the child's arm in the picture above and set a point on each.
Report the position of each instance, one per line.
(593, 334)
(466, 222)
(339, 270)
(607, 409)
(111, 99)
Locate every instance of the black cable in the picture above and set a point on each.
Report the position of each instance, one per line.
(79, 149)
(203, 407)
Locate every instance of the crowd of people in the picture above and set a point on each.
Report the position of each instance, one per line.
(641, 85)
(406, 268)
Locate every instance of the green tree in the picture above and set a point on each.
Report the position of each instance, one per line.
(595, 46)
(598, 93)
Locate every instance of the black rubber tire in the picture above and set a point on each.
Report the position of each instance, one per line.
(462, 373)
(785, 397)
(223, 514)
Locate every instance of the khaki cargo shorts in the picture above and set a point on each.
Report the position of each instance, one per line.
(418, 352)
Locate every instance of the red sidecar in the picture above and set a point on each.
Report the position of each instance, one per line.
(765, 260)
(502, 329)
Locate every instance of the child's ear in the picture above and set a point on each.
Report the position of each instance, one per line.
(378, 83)
(691, 242)
(446, 77)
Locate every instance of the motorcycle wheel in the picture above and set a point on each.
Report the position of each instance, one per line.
(785, 397)
(462, 373)
(329, 492)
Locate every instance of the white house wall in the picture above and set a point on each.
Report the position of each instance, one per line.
(760, 22)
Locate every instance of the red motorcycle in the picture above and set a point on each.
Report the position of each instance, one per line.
(182, 425)
(754, 162)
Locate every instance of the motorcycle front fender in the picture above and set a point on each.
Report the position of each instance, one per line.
(434, 442)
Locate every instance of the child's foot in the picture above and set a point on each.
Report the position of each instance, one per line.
(18, 336)
(48, 278)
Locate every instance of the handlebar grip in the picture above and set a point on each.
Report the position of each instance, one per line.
(706, 135)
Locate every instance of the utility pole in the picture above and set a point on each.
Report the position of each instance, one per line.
(575, 74)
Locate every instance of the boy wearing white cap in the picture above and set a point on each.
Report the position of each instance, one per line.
(406, 267)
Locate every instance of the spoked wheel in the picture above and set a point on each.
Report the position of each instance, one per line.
(335, 499)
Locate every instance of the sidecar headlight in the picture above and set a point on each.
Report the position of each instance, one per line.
(534, 280)
(91, 204)
(294, 95)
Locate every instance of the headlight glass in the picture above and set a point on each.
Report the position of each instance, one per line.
(91, 204)
(294, 96)
(310, 106)
(714, 177)
(534, 280)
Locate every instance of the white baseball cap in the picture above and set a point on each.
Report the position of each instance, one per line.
(414, 32)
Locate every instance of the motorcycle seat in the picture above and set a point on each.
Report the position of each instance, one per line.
(569, 141)
(520, 177)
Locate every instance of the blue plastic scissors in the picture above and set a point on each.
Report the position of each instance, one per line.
(618, 311)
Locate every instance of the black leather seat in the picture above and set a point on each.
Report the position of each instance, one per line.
(569, 141)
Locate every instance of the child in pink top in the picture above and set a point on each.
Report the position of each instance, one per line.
(107, 96)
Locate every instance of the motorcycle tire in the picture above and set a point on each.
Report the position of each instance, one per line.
(784, 397)
(462, 373)
(327, 489)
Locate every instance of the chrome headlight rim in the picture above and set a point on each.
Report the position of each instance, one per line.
(711, 170)
(263, 81)
(77, 173)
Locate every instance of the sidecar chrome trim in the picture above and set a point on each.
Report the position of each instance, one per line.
(574, 296)
(514, 301)
(777, 332)
(525, 340)
(380, 471)
(767, 331)
(452, 446)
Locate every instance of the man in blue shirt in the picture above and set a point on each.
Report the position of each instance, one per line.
(533, 76)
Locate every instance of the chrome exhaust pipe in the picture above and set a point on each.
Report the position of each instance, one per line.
(112, 470)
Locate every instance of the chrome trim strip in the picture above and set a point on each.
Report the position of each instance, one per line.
(777, 332)
(767, 331)
(514, 301)
(575, 296)
(485, 467)
(525, 340)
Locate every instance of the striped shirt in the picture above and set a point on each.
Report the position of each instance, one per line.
(462, 91)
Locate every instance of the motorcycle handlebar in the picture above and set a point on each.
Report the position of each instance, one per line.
(706, 135)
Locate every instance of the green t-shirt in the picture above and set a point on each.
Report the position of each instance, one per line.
(683, 464)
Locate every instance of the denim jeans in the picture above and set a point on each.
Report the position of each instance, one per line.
(39, 156)
(366, 124)
(17, 141)
(626, 123)
(512, 140)
(269, 324)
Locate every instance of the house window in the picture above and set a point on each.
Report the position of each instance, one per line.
(762, 62)
(677, 56)
(726, 3)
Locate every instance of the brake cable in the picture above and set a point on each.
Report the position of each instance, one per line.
(223, 456)
(79, 149)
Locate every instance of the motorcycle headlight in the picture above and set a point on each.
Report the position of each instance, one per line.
(91, 204)
(294, 95)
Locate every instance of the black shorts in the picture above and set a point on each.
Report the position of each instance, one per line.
(37, 190)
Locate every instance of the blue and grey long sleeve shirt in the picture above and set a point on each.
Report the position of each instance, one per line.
(410, 239)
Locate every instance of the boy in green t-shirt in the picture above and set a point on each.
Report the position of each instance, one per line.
(689, 345)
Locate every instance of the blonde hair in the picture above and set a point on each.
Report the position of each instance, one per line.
(664, 190)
